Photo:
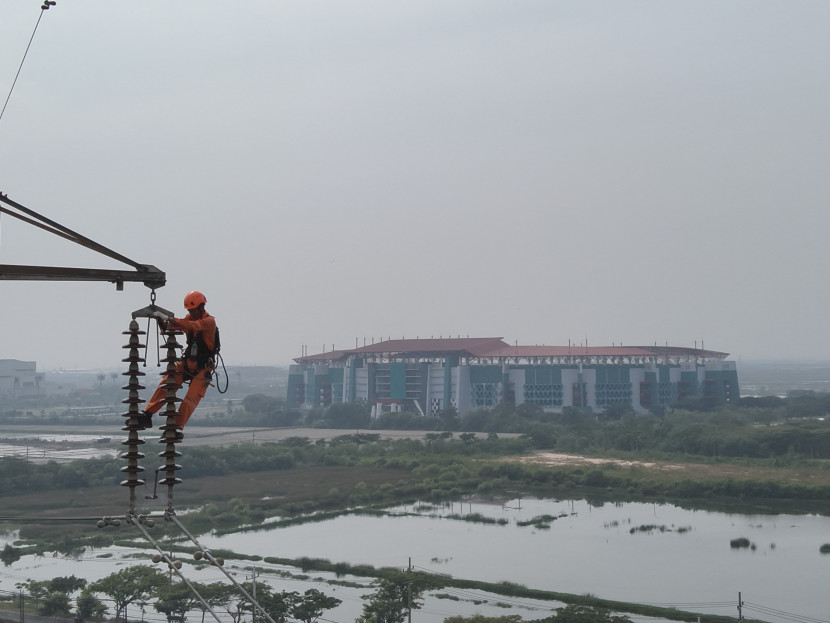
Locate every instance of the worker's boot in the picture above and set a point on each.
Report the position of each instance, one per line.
(145, 420)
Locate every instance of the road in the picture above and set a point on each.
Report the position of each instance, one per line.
(14, 616)
(42, 443)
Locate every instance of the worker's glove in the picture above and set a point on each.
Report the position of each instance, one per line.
(161, 316)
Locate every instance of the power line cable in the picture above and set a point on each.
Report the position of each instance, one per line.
(43, 8)
(790, 616)
(205, 552)
(537, 606)
(493, 597)
(171, 564)
(691, 604)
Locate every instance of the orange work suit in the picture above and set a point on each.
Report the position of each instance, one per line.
(199, 379)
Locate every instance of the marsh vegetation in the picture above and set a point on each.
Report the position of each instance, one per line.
(753, 457)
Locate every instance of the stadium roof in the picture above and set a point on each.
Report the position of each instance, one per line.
(496, 347)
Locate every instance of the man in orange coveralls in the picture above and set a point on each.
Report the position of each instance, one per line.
(197, 361)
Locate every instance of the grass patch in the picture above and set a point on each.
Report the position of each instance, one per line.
(479, 518)
(741, 543)
(542, 522)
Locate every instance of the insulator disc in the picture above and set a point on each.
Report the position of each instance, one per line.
(132, 469)
(133, 386)
(170, 467)
(130, 455)
(167, 453)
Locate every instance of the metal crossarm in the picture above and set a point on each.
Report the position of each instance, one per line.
(147, 274)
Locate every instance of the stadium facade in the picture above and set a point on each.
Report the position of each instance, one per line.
(428, 375)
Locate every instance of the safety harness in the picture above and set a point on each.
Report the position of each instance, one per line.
(198, 351)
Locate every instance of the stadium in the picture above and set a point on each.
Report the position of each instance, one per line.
(429, 375)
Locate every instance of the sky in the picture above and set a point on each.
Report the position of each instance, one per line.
(334, 173)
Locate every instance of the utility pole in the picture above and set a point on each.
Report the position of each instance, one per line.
(740, 603)
(409, 590)
(253, 593)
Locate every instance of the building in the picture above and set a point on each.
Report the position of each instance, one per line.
(428, 375)
(19, 379)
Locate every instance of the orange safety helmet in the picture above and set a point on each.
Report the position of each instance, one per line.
(192, 300)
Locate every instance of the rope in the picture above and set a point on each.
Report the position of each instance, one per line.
(216, 374)
(158, 342)
(43, 8)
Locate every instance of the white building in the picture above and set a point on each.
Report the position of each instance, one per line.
(427, 375)
(18, 379)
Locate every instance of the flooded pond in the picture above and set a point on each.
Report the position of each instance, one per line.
(658, 554)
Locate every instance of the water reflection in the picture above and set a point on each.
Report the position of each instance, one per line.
(652, 553)
(44, 454)
(685, 559)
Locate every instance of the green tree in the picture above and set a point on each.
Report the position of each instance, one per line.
(55, 604)
(542, 435)
(480, 618)
(54, 595)
(312, 605)
(175, 600)
(239, 604)
(10, 555)
(395, 595)
(530, 411)
(128, 585)
(216, 595)
(66, 584)
(260, 404)
(448, 418)
(615, 411)
(37, 589)
(475, 420)
(278, 605)
(574, 613)
(349, 415)
(89, 606)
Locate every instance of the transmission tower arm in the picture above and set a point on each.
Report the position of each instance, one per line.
(150, 276)
(147, 274)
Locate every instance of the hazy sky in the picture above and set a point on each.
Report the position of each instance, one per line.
(329, 171)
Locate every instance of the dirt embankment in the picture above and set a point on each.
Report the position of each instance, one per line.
(803, 474)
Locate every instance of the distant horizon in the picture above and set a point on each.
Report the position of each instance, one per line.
(768, 361)
(760, 377)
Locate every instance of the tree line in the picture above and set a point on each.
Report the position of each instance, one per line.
(436, 463)
(142, 585)
(795, 426)
(394, 596)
